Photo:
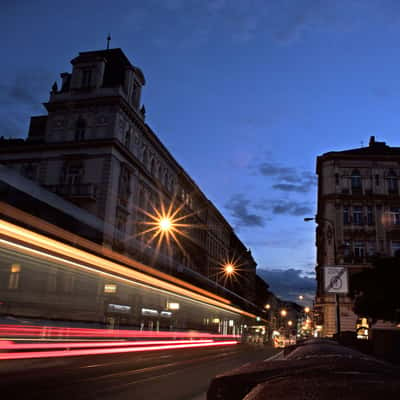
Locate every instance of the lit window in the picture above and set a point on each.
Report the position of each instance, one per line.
(15, 268)
(110, 288)
(15, 271)
(173, 306)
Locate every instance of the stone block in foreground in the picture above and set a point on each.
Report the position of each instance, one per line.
(313, 370)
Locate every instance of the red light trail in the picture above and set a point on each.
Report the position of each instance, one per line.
(51, 331)
(10, 345)
(88, 352)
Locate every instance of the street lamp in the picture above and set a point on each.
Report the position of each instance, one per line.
(307, 310)
(301, 297)
(283, 313)
(165, 224)
(229, 269)
(290, 323)
(317, 219)
(267, 306)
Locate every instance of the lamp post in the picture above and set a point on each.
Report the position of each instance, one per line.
(330, 222)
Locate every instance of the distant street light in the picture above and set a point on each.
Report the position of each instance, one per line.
(283, 313)
(301, 297)
(267, 306)
(307, 310)
(290, 323)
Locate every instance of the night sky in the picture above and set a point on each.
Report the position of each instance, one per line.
(244, 93)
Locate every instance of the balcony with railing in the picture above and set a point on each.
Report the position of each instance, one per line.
(85, 191)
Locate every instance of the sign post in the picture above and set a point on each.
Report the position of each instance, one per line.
(336, 281)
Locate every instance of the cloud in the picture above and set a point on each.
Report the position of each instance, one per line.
(288, 179)
(290, 187)
(289, 283)
(238, 205)
(269, 169)
(27, 88)
(284, 207)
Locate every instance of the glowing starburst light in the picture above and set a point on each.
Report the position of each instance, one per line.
(229, 268)
(165, 224)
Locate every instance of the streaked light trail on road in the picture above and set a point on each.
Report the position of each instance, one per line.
(10, 345)
(90, 352)
(62, 332)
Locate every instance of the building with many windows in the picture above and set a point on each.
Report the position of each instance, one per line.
(358, 217)
(94, 149)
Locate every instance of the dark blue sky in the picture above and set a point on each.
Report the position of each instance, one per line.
(245, 94)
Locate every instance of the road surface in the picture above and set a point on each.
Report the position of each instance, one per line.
(182, 374)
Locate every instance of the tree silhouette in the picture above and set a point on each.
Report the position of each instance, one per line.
(376, 290)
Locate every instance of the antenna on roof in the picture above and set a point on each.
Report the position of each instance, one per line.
(108, 41)
(362, 143)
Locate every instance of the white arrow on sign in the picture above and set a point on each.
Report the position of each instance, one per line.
(336, 280)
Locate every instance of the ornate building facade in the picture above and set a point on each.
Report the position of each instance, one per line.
(95, 149)
(358, 217)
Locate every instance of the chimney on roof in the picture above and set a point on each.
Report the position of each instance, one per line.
(372, 140)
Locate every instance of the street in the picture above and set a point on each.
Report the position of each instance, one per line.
(170, 375)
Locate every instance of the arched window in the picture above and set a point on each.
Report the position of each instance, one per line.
(80, 129)
(356, 180)
(392, 182)
(159, 172)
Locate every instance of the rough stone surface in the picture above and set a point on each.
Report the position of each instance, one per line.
(314, 370)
